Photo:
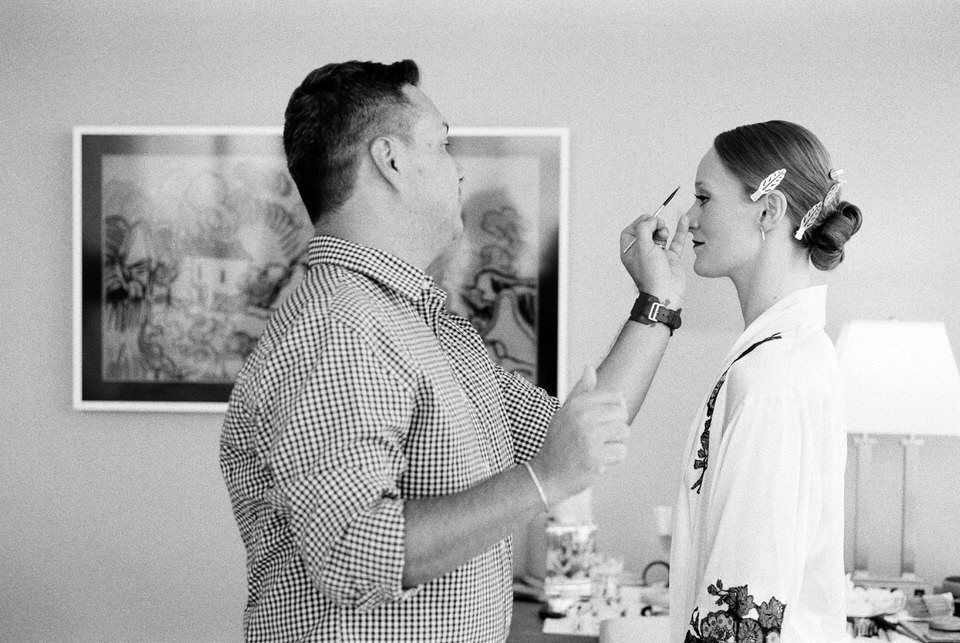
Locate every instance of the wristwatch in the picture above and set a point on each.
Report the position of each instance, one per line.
(648, 310)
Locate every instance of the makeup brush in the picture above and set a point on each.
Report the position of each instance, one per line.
(655, 214)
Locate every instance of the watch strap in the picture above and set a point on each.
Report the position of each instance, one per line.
(648, 310)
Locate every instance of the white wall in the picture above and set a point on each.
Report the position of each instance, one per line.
(117, 527)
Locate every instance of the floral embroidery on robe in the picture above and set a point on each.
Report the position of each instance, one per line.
(740, 621)
(704, 450)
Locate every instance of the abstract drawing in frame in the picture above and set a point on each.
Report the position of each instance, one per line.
(187, 239)
(506, 273)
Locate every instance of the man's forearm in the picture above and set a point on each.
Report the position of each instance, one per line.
(445, 532)
(632, 362)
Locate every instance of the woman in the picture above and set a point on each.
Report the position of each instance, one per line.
(758, 539)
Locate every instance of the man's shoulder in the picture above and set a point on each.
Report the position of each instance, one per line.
(331, 306)
(334, 292)
(339, 296)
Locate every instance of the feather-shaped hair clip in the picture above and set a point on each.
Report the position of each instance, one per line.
(813, 213)
(769, 184)
(808, 220)
(835, 188)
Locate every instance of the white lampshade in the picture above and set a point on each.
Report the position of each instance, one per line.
(900, 378)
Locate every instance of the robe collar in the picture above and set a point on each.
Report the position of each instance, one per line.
(803, 307)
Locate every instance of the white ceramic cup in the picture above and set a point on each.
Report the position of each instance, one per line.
(663, 516)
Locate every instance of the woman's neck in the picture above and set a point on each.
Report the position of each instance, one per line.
(768, 284)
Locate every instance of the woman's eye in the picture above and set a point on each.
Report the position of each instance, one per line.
(701, 199)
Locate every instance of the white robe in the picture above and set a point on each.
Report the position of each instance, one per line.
(766, 520)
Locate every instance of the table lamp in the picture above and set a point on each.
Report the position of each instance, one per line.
(900, 379)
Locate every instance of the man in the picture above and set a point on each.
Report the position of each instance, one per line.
(377, 460)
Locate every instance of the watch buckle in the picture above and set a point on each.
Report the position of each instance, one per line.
(654, 311)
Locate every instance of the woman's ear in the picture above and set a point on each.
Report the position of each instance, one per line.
(383, 154)
(774, 211)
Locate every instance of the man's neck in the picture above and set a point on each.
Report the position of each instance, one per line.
(375, 228)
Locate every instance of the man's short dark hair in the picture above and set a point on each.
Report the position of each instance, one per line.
(337, 109)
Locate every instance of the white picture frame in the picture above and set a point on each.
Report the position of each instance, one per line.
(186, 239)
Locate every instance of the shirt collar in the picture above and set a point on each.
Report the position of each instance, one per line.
(380, 266)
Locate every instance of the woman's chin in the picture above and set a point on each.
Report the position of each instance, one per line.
(705, 271)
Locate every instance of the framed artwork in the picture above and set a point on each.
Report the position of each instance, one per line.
(506, 273)
(187, 239)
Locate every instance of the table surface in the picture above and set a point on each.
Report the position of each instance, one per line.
(527, 627)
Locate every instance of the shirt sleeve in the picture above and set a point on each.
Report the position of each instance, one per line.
(761, 496)
(529, 409)
(337, 461)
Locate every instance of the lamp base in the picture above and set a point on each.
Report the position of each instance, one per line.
(909, 584)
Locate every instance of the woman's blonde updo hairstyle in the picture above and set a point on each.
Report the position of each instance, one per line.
(753, 152)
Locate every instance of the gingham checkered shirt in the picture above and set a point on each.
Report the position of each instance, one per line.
(363, 391)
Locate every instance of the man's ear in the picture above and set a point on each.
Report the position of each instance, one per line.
(774, 211)
(384, 156)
